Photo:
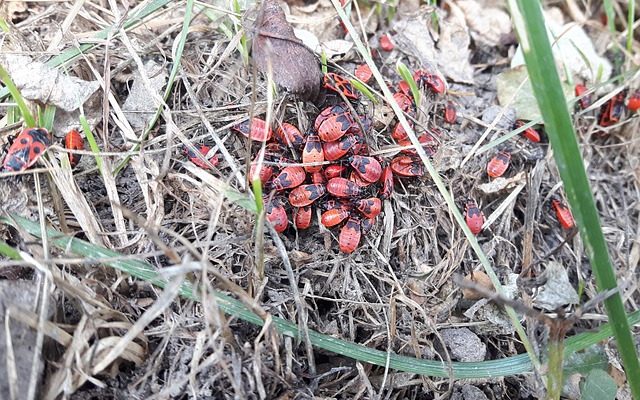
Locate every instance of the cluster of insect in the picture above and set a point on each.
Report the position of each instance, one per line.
(30, 144)
(612, 111)
(330, 167)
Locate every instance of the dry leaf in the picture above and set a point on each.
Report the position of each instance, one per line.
(294, 66)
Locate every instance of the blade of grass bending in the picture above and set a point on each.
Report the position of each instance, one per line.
(362, 88)
(139, 269)
(93, 144)
(406, 75)
(529, 24)
(453, 208)
(17, 97)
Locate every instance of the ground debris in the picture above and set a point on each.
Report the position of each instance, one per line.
(557, 291)
(276, 47)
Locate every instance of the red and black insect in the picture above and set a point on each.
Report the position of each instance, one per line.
(428, 144)
(25, 150)
(304, 195)
(633, 104)
(302, 217)
(333, 123)
(289, 177)
(342, 187)
(338, 149)
(277, 215)
(611, 111)
(363, 72)
(404, 102)
(386, 179)
(334, 216)
(339, 84)
(497, 166)
(313, 153)
(432, 81)
(350, 234)
(370, 207)
(318, 177)
(399, 133)
(334, 171)
(256, 129)
(368, 168)
(385, 43)
(584, 99)
(290, 135)
(193, 157)
(406, 166)
(355, 178)
(265, 173)
(528, 133)
(450, 113)
(563, 213)
(73, 141)
(473, 217)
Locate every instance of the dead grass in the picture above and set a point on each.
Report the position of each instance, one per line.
(395, 293)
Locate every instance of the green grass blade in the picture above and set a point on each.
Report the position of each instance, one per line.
(93, 144)
(46, 117)
(406, 75)
(362, 88)
(631, 12)
(529, 23)
(17, 97)
(486, 369)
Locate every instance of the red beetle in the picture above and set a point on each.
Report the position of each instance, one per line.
(473, 217)
(399, 133)
(529, 133)
(193, 157)
(290, 135)
(304, 195)
(370, 207)
(350, 236)
(265, 173)
(73, 141)
(313, 153)
(563, 214)
(334, 171)
(433, 81)
(302, 217)
(585, 100)
(450, 113)
(25, 150)
(368, 168)
(611, 111)
(318, 177)
(277, 215)
(497, 166)
(333, 123)
(404, 102)
(428, 143)
(335, 203)
(363, 72)
(289, 177)
(387, 182)
(385, 43)
(339, 84)
(338, 149)
(633, 104)
(334, 216)
(341, 187)
(256, 129)
(404, 88)
(407, 166)
(355, 178)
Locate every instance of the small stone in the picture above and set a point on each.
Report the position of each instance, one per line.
(464, 345)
